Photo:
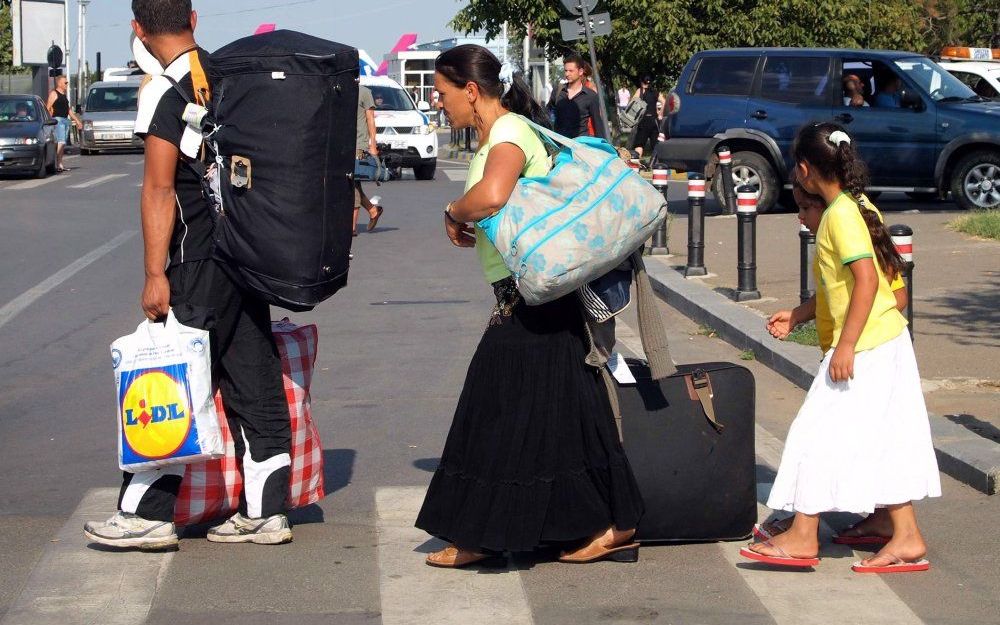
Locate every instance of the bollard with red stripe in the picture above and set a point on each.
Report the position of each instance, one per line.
(746, 266)
(696, 227)
(902, 238)
(661, 180)
(807, 252)
(725, 189)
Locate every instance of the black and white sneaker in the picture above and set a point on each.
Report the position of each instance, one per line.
(130, 531)
(274, 530)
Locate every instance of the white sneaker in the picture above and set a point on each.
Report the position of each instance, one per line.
(128, 530)
(274, 530)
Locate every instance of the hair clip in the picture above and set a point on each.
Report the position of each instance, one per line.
(506, 77)
(839, 136)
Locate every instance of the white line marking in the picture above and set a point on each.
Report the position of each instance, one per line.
(69, 156)
(22, 301)
(134, 162)
(456, 175)
(413, 593)
(445, 160)
(97, 181)
(75, 585)
(34, 184)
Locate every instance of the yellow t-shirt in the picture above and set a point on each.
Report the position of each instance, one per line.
(843, 238)
(508, 128)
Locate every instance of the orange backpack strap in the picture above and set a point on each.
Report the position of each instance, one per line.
(199, 81)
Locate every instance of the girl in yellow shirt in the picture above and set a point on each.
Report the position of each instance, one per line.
(867, 388)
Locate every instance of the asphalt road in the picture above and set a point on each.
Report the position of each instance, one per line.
(394, 347)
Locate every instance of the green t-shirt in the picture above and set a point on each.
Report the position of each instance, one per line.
(507, 129)
(365, 103)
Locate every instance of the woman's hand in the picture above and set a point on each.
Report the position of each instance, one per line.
(780, 325)
(842, 363)
(461, 235)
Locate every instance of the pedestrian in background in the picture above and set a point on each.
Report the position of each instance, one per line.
(646, 132)
(624, 97)
(867, 382)
(366, 144)
(574, 104)
(58, 105)
(533, 455)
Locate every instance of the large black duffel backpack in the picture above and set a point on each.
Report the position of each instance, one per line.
(285, 104)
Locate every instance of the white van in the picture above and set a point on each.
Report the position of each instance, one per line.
(403, 127)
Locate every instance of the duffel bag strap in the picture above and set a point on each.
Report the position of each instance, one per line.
(700, 389)
(651, 332)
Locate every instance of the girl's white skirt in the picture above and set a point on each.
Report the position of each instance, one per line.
(862, 443)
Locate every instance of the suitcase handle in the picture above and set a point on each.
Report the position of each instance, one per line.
(699, 386)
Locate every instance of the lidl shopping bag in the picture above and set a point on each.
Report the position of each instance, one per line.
(166, 411)
(211, 489)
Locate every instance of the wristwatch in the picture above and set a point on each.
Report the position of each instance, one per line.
(447, 214)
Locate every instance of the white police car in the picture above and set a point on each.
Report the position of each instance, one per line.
(403, 127)
(979, 68)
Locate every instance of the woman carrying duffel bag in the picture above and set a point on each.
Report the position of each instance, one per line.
(533, 456)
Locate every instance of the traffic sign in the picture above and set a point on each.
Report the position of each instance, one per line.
(574, 6)
(600, 24)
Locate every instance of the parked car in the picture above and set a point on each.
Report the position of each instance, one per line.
(109, 117)
(27, 136)
(979, 68)
(403, 127)
(922, 131)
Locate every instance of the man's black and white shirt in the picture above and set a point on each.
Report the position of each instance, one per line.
(160, 115)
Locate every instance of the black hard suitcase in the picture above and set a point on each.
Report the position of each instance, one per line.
(286, 108)
(690, 440)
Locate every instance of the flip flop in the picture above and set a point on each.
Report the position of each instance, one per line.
(767, 530)
(783, 560)
(373, 221)
(898, 565)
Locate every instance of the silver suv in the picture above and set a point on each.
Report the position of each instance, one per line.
(109, 117)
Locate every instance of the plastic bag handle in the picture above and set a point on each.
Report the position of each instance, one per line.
(170, 327)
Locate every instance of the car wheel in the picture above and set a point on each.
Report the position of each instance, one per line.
(43, 170)
(975, 181)
(753, 170)
(51, 168)
(922, 196)
(425, 171)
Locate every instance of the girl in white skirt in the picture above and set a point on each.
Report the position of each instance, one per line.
(861, 440)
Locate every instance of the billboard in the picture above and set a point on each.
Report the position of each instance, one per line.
(37, 24)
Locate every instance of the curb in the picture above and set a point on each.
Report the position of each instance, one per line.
(962, 454)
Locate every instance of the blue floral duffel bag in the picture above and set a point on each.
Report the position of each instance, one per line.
(560, 231)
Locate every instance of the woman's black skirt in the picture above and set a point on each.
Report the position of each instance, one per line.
(533, 455)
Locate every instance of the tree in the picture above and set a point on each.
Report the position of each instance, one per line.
(657, 37)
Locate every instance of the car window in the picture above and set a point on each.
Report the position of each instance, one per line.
(799, 80)
(18, 110)
(730, 75)
(977, 83)
(942, 86)
(105, 99)
(390, 99)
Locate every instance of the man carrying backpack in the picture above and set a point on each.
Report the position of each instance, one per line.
(182, 276)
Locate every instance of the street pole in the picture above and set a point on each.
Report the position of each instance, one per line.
(597, 77)
(746, 266)
(902, 239)
(69, 57)
(82, 44)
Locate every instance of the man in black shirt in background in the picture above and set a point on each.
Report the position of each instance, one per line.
(183, 277)
(575, 104)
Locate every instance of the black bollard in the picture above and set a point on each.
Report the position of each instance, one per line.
(807, 252)
(661, 178)
(468, 139)
(728, 199)
(746, 215)
(902, 238)
(696, 227)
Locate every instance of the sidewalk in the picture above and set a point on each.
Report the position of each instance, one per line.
(956, 309)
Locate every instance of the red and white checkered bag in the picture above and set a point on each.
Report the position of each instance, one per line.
(211, 490)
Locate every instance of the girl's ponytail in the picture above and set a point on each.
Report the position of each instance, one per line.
(828, 149)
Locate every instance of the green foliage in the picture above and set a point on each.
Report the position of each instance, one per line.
(748, 355)
(659, 36)
(984, 224)
(805, 334)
